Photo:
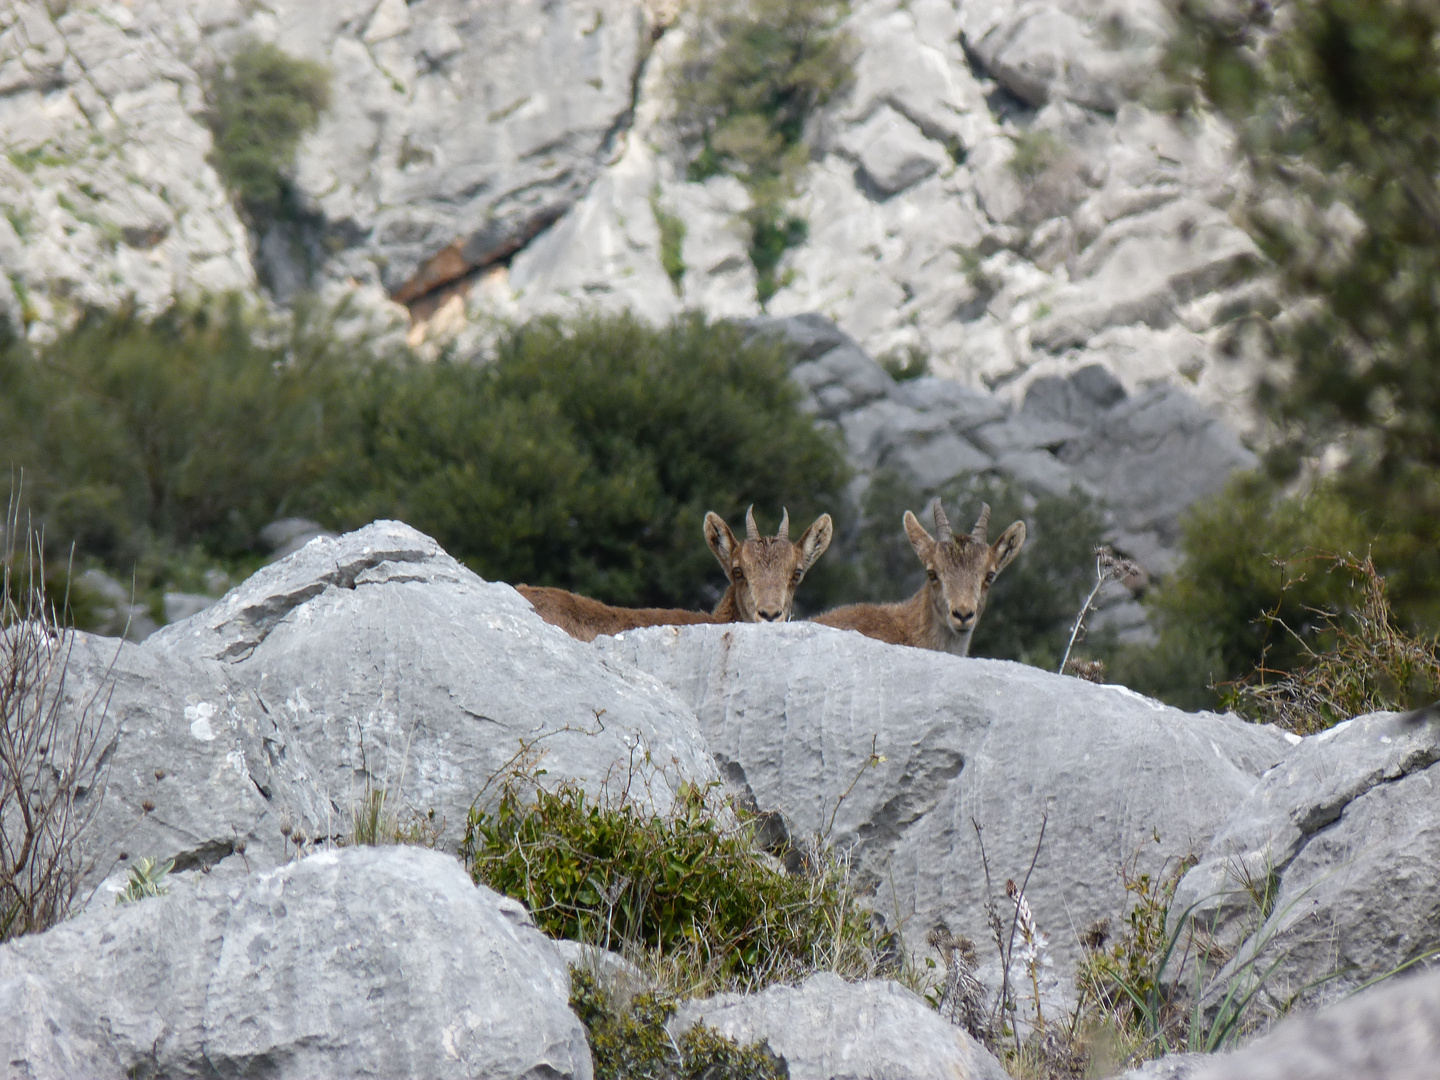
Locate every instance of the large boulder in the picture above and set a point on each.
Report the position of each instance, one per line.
(1390, 1032)
(908, 758)
(365, 663)
(826, 1028)
(359, 962)
(1326, 876)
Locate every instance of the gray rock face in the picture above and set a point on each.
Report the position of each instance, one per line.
(369, 662)
(1147, 457)
(826, 1028)
(792, 712)
(1345, 832)
(360, 962)
(1391, 1032)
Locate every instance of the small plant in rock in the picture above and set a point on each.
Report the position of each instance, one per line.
(1108, 567)
(629, 1040)
(375, 822)
(752, 74)
(685, 884)
(52, 760)
(147, 878)
(672, 241)
(903, 364)
(260, 105)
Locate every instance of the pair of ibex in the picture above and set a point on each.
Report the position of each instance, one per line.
(764, 572)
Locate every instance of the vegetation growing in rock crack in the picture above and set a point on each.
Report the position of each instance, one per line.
(628, 1039)
(752, 74)
(146, 879)
(581, 454)
(685, 885)
(260, 104)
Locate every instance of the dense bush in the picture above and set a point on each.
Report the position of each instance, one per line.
(136, 435)
(260, 104)
(582, 455)
(1032, 604)
(752, 73)
(585, 455)
(608, 873)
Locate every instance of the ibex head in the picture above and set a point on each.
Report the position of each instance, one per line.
(765, 570)
(962, 568)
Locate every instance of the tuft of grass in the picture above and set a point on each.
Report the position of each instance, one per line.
(260, 105)
(147, 878)
(904, 364)
(373, 822)
(688, 886)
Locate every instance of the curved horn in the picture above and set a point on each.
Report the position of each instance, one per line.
(982, 524)
(784, 533)
(751, 532)
(943, 532)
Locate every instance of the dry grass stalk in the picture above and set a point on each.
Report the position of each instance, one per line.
(52, 764)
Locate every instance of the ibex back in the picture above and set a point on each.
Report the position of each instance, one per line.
(763, 573)
(959, 571)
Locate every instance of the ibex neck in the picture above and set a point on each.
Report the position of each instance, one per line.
(727, 610)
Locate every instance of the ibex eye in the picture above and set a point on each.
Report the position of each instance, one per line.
(990, 577)
(933, 576)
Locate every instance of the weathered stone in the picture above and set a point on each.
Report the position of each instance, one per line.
(893, 153)
(371, 662)
(1391, 1032)
(793, 713)
(1344, 834)
(367, 961)
(827, 1028)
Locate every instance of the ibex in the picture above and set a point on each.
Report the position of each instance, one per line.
(959, 572)
(763, 573)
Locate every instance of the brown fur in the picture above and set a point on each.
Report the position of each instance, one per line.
(763, 573)
(943, 614)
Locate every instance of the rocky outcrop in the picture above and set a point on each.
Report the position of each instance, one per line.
(1327, 874)
(793, 714)
(373, 662)
(1147, 457)
(990, 189)
(826, 1027)
(360, 962)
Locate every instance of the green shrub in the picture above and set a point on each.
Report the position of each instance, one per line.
(186, 429)
(1033, 603)
(260, 104)
(672, 241)
(629, 1040)
(586, 454)
(752, 73)
(614, 876)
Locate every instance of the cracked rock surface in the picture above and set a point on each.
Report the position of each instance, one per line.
(792, 712)
(368, 662)
(361, 962)
(1345, 835)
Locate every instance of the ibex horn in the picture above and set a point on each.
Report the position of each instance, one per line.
(982, 524)
(784, 532)
(942, 524)
(751, 532)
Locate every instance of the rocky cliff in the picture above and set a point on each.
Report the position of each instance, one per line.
(990, 189)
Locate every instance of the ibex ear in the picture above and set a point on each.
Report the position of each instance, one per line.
(721, 540)
(1004, 550)
(814, 541)
(920, 540)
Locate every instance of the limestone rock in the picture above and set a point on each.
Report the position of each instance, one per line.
(826, 1028)
(1344, 833)
(367, 961)
(793, 712)
(371, 662)
(1390, 1032)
